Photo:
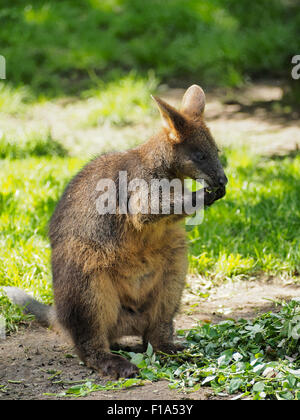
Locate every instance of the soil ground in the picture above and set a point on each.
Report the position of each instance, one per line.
(36, 361)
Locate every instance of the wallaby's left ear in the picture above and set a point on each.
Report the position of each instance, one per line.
(193, 102)
(173, 121)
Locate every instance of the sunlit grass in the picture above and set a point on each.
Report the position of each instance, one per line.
(256, 228)
(29, 191)
(126, 101)
(29, 143)
(12, 100)
(13, 315)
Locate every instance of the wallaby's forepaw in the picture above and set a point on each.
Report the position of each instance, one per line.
(220, 193)
(211, 196)
(116, 366)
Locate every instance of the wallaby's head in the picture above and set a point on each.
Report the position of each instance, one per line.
(194, 151)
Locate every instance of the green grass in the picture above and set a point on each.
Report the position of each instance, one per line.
(32, 143)
(30, 189)
(13, 315)
(13, 100)
(256, 227)
(60, 44)
(122, 102)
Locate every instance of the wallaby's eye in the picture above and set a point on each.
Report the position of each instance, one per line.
(199, 156)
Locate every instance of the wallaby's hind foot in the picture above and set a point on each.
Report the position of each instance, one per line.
(171, 348)
(112, 365)
(135, 348)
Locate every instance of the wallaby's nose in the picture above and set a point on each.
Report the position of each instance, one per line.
(223, 180)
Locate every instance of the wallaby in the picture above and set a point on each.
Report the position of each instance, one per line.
(123, 274)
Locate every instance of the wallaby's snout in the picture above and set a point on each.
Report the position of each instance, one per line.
(223, 180)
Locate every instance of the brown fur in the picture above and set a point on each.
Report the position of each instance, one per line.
(116, 275)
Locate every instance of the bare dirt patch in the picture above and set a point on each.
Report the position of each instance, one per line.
(36, 361)
(252, 116)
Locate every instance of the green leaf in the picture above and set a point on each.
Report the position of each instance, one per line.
(285, 395)
(259, 368)
(234, 385)
(225, 358)
(131, 382)
(208, 379)
(292, 381)
(149, 350)
(138, 360)
(258, 387)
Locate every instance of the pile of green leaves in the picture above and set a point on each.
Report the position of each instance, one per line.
(259, 358)
(248, 359)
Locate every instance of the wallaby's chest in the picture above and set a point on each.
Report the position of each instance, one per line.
(146, 259)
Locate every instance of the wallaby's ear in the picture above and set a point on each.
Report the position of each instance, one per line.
(173, 121)
(193, 102)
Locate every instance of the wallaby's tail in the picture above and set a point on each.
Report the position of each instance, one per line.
(44, 314)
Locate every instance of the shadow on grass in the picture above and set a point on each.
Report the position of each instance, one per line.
(277, 111)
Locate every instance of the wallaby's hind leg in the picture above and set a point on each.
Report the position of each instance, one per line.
(161, 338)
(166, 302)
(87, 307)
